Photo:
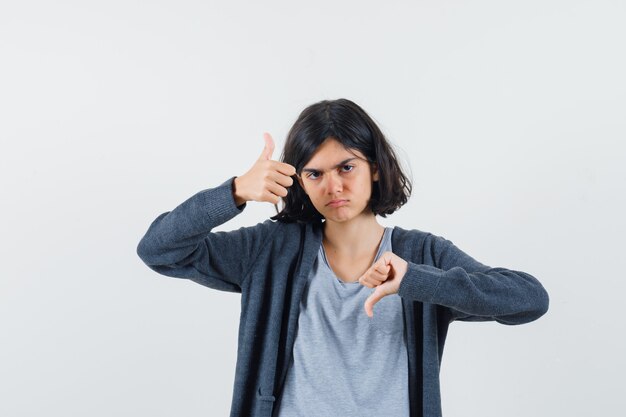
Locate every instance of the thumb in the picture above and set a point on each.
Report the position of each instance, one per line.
(375, 297)
(269, 147)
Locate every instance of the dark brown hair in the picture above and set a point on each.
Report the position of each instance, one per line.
(348, 123)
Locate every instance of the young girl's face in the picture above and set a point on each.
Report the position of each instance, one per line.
(338, 181)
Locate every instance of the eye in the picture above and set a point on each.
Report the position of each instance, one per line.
(314, 175)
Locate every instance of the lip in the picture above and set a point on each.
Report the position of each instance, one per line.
(337, 203)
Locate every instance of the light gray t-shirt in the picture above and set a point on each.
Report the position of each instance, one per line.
(345, 364)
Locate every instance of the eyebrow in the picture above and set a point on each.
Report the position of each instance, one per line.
(339, 165)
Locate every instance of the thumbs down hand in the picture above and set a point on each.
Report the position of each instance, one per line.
(385, 275)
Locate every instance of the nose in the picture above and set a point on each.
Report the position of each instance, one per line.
(333, 183)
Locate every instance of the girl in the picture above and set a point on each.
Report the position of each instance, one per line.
(340, 316)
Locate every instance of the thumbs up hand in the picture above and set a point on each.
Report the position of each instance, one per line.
(267, 180)
(386, 275)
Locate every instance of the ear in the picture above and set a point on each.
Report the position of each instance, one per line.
(375, 176)
(301, 185)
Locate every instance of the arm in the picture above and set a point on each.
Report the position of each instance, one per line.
(473, 291)
(180, 243)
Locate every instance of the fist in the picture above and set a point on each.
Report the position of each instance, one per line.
(385, 275)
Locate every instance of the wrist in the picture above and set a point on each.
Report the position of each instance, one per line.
(239, 199)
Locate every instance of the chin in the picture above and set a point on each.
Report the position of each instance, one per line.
(336, 217)
(340, 217)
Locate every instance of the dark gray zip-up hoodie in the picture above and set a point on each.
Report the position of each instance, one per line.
(268, 264)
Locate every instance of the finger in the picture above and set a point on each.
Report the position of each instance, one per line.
(374, 277)
(283, 167)
(378, 278)
(363, 281)
(276, 189)
(268, 150)
(378, 271)
(371, 282)
(385, 260)
(270, 197)
(381, 268)
(371, 300)
(281, 179)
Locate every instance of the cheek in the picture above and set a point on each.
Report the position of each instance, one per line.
(313, 196)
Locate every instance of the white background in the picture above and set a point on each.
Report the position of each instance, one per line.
(510, 116)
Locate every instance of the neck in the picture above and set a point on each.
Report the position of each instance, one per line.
(353, 237)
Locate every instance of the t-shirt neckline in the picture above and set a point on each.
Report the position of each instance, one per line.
(378, 253)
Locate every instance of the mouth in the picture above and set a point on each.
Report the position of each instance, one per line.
(337, 203)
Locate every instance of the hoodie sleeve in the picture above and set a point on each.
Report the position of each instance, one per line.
(179, 243)
(471, 290)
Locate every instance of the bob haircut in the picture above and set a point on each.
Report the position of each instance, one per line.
(348, 123)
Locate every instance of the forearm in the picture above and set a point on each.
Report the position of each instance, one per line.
(511, 297)
(174, 234)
